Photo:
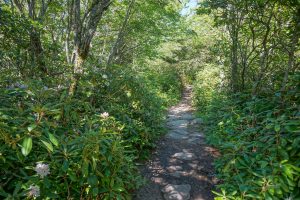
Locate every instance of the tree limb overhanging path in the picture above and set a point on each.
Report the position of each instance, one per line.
(181, 167)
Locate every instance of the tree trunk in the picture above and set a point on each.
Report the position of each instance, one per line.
(293, 47)
(234, 61)
(37, 51)
(264, 55)
(116, 46)
(84, 30)
(36, 48)
(77, 71)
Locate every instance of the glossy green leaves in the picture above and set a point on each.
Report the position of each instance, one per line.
(26, 146)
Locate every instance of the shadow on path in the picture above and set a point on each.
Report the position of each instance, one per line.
(181, 167)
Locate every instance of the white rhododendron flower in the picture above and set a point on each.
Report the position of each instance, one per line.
(42, 169)
(104, 115)
(104, 76)
(34, 191)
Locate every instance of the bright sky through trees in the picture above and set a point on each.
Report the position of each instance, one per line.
(188, 9)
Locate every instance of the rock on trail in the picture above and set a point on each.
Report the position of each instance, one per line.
(181, 168)
(180, 192)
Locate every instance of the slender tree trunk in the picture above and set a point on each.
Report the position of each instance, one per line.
(287, 71)
(291, 54)
(234, 61)
(37, 51)
(77, 71)
(77, 59)
(234, 35)
(264, 56)
(84, 30)
(36, 48)
(121, 34)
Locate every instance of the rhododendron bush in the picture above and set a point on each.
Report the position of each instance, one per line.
(85, 147)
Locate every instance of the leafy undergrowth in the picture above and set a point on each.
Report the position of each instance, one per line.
(56, 147)
(259, 139)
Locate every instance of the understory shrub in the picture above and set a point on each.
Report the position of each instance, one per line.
(84, 147)
(259, 139)
(206, 85)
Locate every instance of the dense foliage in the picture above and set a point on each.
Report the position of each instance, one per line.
(84, 86)
(82, 96)
(259, 141)
(248, 93)
(88, 153)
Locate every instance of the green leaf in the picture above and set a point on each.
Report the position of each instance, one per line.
(277, 127)
(31, 127)
(65, 166)
(72, 176)
(48, 145)
(17, 188)
(95, 191)
(26, 146)
(53, 139)
(103, 190)
(85, 169)
(287, 171)
(92, 180)
(263, 164)
(118, 188)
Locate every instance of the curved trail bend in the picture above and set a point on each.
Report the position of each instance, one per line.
(181, 167)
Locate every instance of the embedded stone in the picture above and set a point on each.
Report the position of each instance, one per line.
(184, 156)
(187, 117)
(177, 124)
(196, 121)
(174, 168)
(177, 135)
(177, 192)
(176, 174)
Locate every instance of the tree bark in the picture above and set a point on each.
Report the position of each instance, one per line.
(37, 51)
(121, 34)
(84, 30)
(77, 71)
(234, 61)
(35, 39)
(291, 53)
(264, 55)
(36, 48)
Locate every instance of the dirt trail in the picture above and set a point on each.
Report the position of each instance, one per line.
(181, 167)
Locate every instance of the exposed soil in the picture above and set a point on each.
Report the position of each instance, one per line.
(181, 167)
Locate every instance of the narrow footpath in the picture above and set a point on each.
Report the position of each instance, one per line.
(181, 167)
